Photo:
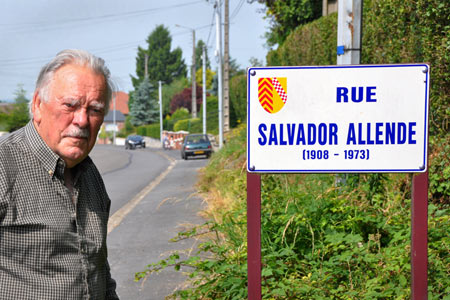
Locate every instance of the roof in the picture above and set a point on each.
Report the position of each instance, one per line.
(109, 118)
(121, 102)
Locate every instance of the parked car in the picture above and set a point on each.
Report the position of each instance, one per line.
(196, 144)
(134, 141)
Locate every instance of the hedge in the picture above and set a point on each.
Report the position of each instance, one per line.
(152, 130)
(394, 31)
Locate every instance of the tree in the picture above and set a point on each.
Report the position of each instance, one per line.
(184, 99)
(163, 64)
(254, 62)
(238, 100)
(170, 90)
(198, 56)
(19, 115)
(209, 78)
(145, 108)
(286, 15)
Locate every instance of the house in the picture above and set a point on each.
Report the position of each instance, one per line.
(118, 111)
(119, 105)
(121, 100)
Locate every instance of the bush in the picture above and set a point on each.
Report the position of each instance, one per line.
(212, 115)
(318, 241)
(394, 31)
(152, 130)
(190, 125)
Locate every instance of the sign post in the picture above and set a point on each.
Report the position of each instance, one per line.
(419, 237)
(339, 119)
(254, 235)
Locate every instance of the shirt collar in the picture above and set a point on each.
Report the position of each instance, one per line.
(51, 162)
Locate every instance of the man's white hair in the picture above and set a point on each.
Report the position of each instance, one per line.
(72, 56)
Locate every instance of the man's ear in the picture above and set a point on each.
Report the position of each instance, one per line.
(36, 107)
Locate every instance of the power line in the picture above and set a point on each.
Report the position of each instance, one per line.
(210, 28)
(102, 18)
(237, 9)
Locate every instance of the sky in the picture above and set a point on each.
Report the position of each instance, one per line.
(33, 31)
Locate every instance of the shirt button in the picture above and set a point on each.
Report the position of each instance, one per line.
(50, 172)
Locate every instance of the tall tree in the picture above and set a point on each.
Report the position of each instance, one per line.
(286, 15)
(145, 107)
(18, 117)
(184, 99)
(198, 56)
(163, 64)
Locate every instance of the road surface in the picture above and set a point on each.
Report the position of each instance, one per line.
(153, 197)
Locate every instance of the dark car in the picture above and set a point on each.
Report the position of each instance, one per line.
(134, 141)
(196, 144)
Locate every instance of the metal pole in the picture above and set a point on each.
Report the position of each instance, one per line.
(194, 86)
(349, 32)
(419, 237)
(204, 88)
(114, 119)
(160, 112)
(254, 235)
(226, 70)
(219, 54)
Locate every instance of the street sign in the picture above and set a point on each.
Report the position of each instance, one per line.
(338, 119)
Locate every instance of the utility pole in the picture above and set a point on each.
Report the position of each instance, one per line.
(193, 69)
(226, 70)
(349, 32)
(114, 118)
(194, 87)
(160, 113)
(204, 87)
(348, 42)
(219, 55)
(146, 66)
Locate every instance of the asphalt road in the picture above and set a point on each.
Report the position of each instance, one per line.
(160, 187)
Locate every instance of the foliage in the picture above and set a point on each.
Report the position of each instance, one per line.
(199, 54)
(212, 115)
(439, 169)
(209, 78)
(310, 44)
(18, 116)
(170, 90)
(318, 241)
(397, 31)
(184, 99)
(128, 128)
(145, 108)
(238, 100)
(254, 62)
(190, 125)
(180, 114)
(394, 31)
(287, 15)
(163, 64)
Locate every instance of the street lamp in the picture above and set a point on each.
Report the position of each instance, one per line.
(194, 88)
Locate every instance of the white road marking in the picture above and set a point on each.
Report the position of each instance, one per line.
(119, 215)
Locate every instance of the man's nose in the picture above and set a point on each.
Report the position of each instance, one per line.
(80, 118)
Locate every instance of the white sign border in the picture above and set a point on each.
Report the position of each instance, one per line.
(421, 169)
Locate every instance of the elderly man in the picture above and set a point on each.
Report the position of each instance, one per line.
(53, 204)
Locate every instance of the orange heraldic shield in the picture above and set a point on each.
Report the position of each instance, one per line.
(272, 93)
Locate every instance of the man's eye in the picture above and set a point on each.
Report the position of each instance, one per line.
(69, 105)
(97, 110)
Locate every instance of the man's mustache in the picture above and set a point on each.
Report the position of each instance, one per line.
(76, 132)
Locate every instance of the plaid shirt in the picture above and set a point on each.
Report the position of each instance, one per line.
(50, 248)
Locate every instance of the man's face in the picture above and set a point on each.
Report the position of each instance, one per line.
(71, 118)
